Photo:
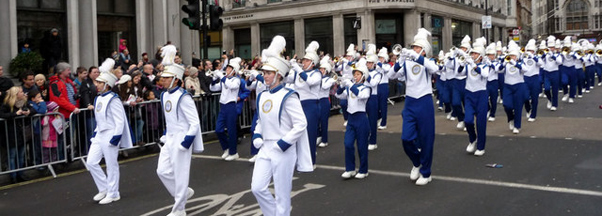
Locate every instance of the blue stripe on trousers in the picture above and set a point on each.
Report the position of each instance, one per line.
(419, 132)
(492, 91)
(254, 150)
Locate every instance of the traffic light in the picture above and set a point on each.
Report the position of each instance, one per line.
(215, 23)
(194, 19)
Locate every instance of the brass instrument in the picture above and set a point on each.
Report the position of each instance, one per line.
(210, 74)
(579, 53)
(522, 50)
(542, 52)
(397, 49)
(453, 49)
(507, 58)
(599, 53)
(589, 52)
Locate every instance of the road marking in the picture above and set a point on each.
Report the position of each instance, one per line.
(459, 179)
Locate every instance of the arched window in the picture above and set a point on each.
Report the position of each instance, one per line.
(576, 15)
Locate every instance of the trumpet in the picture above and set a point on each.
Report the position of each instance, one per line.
(589, 52)
(540, 53)
(397, 49)
(522, 50)
(210, 74)
(507, 59)
(599, 53)
(579, 53)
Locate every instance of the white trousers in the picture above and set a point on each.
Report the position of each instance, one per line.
(100, 148)
(174, 170)
(272, 163)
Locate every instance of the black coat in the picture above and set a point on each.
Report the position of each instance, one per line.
(87, 92)
(16, 127)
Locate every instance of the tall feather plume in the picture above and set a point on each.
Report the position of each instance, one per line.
(325, 59)
(168, 53)
(531, 42)
(371, 49)
(466, 39)
(351, 48)
(312, 47)
(423, 34)
(107, 65)
(480, 42)
(275, 49)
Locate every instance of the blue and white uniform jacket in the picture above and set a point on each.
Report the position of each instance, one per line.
(228, 86)
(181, 117)
(111, 119)
(357, 96)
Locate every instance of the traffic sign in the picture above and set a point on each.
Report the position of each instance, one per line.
(486, 22)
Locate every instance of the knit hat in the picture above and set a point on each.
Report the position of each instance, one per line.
(51, 106)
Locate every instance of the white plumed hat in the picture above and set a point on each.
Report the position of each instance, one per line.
(272, 61)
(361, 66)
(105, 72)
(171, 69)
(542, 45)
(531, 45)
(383, 52)
(551, 41)
(498, 46)
(311, 52)
(479, 46)
(490, 50)
(351, 50)
(325, 63)
(465, 42)
(421, 40)
(371, 53)
(235, 64)
(513, 48)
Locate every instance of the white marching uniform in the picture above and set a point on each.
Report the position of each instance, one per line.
(282, 138)
(182, 122)
(110, 121)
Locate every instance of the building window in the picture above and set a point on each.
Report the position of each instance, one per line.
(239, 3)
(285, 29)
(116, 20)
(436, 32)
(320, 30)
(242, 43)
(350, 32)
(274, 1)
(576, 15)
(509, 7)
(459, 30)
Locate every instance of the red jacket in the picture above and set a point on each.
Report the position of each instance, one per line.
(58, 93)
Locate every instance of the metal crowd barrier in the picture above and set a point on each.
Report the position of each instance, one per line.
(27, 146)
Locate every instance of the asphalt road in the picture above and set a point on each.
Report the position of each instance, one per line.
(553, 167)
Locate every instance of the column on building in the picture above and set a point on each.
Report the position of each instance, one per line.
(338, 32)
(8, 43)
(158, 24)
(256, 39)
(411, 24)
(299, 45)
(88, 37)
(366, 34)
(143, 28)
(228, 38)
(447, 33)
(73, 23)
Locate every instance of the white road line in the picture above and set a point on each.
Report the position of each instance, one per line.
(458, 179)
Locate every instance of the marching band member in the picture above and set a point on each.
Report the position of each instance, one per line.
(280, 136)
(327, 83)
(476, 102)
(579, 73)
(182, 135)
(599, 64)
(112, 130)
(307, 82)
(567, 71)
(373, 79)
(531, 76)
(551, 61)
(383, 87)
(357, 129)
(257, 83)
(493, 84)
(449, 66)
(440, 85)
(590, 67)
(459, 81)
(346, 67)
(501, 55)
(514, 89)
(418, 115)
(229, 85)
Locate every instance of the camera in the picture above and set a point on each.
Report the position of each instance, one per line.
(24, 109)
(224, 52)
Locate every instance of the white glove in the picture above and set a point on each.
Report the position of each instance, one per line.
(513, 62)
(529, 54)
(470, 61)
(254, 74)
(219, 74)
(163, 139)
(412, 54)
(258, 143)
(347, 83)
